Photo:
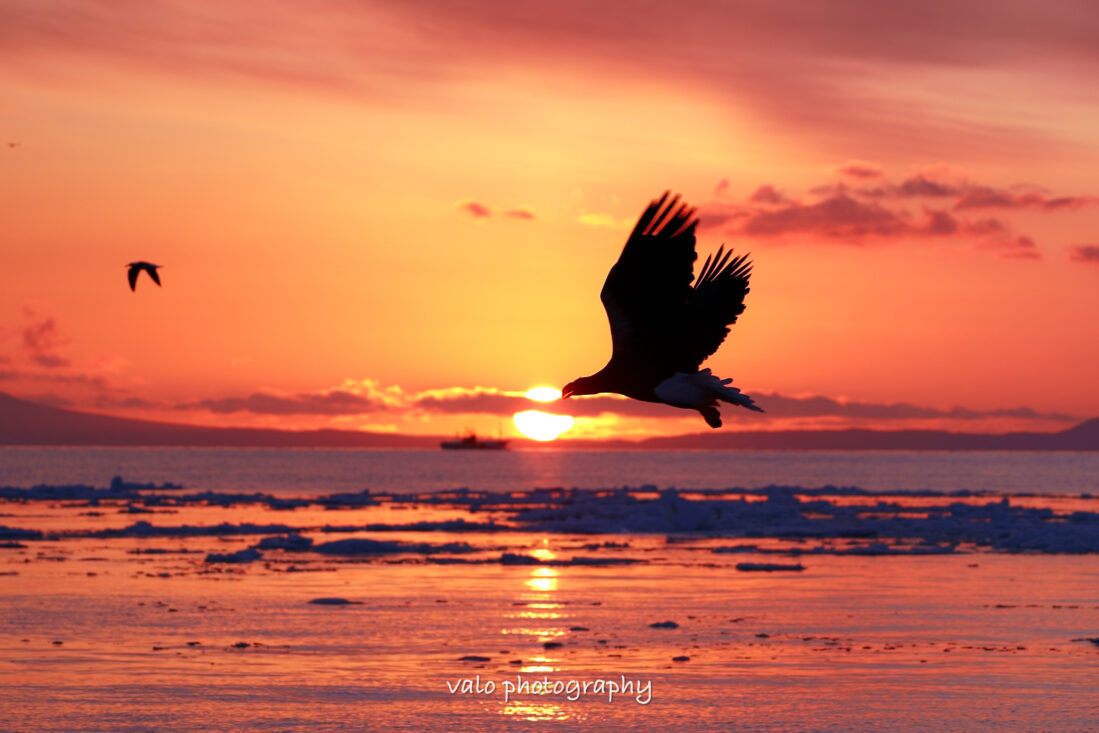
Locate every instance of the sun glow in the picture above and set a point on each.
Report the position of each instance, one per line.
(540, 425)
(543, 394)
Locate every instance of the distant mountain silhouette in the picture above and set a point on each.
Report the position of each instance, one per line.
(1084, 436)
(28, 423)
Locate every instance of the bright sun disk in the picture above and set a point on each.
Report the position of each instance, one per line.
(543, 394)
(541, 425)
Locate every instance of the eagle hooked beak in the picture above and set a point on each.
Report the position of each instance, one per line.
(567, 392)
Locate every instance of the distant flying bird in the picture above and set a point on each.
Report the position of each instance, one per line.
(662, 326)
(135, 270)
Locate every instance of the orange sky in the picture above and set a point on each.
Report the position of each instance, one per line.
(365, 211)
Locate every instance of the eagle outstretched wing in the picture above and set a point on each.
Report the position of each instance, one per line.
(648, 292)
(718, 299)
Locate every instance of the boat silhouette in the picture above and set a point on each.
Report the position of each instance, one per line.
(470, 441)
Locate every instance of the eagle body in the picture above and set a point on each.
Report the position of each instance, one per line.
(664, 321)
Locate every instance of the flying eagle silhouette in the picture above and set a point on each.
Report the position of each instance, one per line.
(135, 270)
(662, 326)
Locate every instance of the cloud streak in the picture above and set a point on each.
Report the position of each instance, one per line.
(883, 213)
(475, 209)
(479, 210)
(264, 403)
(753, 54)
(370, 398)
(1085, 253)
(859, 169)
(41, 339)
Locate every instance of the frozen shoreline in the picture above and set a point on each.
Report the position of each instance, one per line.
(774, 608)
(843, 520)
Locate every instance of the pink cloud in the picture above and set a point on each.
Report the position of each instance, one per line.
(501, 403)
(870, 215)
(1085, 253)
(922, 185)
(986, 197)
(93, 381)
(475, 209)
(752, 54)
(766, 195)
(859, 169)
(50, 361)
(336, 402)
(1015, 248)
(519, 214)
(836, 217)
(41, 335)
(41, 339)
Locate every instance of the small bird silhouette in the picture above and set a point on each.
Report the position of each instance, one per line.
(662, 326)
(135, 270)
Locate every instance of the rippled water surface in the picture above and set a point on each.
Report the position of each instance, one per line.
(788, 610)
(309, 471)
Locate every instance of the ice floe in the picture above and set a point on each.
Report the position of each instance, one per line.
(840, 520)
(335, 602)
(250, 554)
(361, 546)
(768, 567)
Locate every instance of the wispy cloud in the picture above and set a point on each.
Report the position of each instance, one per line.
(367, 396)
(475, 209)
(818, 406)
(479, 210)
(263, 403)
(767, 194)
(755, 54)
(933, 204)
(351, 398)
(605, 221)
(986, 197)
(41, 339)
(859, 169)
(1019, 247)
(44, 356)
(1085, 253)
(94, 381)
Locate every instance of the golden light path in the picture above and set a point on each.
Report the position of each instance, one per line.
(539, 425)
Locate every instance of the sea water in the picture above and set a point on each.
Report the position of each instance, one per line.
(308, 472)
(774, 610)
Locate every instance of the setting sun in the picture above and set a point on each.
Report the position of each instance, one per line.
(541, 425)
(543, 394)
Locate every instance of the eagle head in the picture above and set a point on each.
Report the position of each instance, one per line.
(581, 386)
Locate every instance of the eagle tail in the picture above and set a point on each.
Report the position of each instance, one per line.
(724, 390)
(701, 391)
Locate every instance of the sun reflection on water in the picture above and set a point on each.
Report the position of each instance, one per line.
(535, 711)
(543, 579)
(539, 664)
(541, 616)
(544, 553)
